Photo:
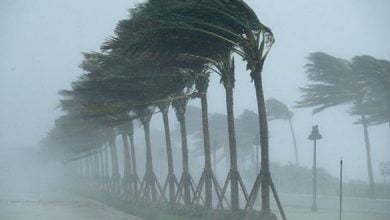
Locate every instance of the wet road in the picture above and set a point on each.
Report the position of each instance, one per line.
(59, 206)
(298, 208)
(31, 191)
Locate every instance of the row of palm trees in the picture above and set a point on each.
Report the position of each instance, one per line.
(363, 82)
(246, 129)
(160, 57)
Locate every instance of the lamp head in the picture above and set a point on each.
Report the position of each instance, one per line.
(315, 133)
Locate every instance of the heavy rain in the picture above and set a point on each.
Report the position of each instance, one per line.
(194, 109)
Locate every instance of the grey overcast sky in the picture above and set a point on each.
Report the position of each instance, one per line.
(41, 42)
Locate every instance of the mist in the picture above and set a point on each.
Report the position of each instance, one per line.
(41, 46)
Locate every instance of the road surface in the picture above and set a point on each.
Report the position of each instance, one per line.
(297, 207)
(30, 191)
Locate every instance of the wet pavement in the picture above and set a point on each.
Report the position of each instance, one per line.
(31, 191)
(59, 206)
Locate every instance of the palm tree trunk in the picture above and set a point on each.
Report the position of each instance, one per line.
(86, 166)
(184, 150)
(93, 167)
(96, 162)
(263, 125)
(115, 166)
(294, 142)
(368, 155)
(126, 163)
(133, 160)
(149, 174)
(93, 161)
(149, 158)
(101, 162)
(202, 84)
(114, 159)
(207, 151)
(171, 180)
(107, 175)
(91, 170)
(232, 148)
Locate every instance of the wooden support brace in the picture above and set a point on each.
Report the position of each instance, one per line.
(228, 178)
(253, 195)
(218, 191)
(277, 200)
(243, 188)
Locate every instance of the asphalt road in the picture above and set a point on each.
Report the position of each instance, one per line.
(298, 207)
(30, 191)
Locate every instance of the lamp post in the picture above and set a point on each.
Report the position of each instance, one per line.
(314, 136)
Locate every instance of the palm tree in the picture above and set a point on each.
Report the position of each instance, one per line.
(84, 92)
(101, 164)
(149, 185)
(133, 46)
(224, 66)
(218, 134)
(76, 106)
(248, 37)
(106, 176)
(152, 83)
(278, 110)
(171, 178)
(208, 178)
(376, 75)
(75, 138)
(226, 69)
(134, 174)
(335, 83)
(115, 187)
(185, 182)
(193, 114)
(222, 25)
(248, 136)
(127, 182)
(200, 130)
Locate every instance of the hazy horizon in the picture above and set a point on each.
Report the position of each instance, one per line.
(42, 41)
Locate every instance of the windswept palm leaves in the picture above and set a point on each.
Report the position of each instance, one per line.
(363, 82)
(335, 83)
(164, 47)
(376, 75)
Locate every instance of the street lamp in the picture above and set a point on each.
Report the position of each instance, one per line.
(314, 136)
